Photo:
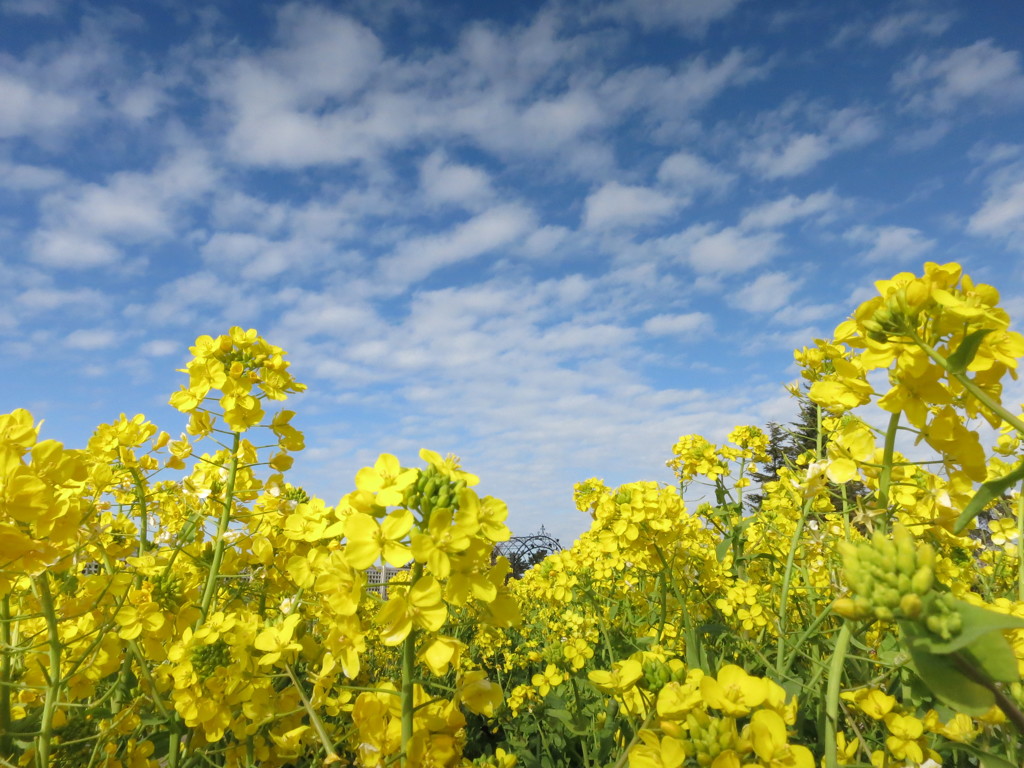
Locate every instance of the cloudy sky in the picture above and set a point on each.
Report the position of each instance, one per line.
(548, 237)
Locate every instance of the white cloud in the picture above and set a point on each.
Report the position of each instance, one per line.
(730, 251)
(927, 136)
(278, 98)
(546, 241)
(323, 53)
(235, 210)
(514, 92)
(782, 152)
(315, 100)
(790, 208)
(161, 348)
(29, 108)
(126, 208)
(670, 96)
(487, 231)
(556, 121)
(30, 177)
(807, 313)
(890, 243)
(678, 325)
(179, 301)
(141, 102)
(32, 7)
(330, 314)
(254, 257)
(767, 293)
(575, 337)
(71, 250)
(48, 299)
(690, 16)
(897, 26)
(93, 339)
(982, 72)
(796, 155)
(689, 173)
(619, 205)
(1002, 214)
(80, 221)
(446, 182)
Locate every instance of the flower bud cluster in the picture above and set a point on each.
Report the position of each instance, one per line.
(892, 578)
(709, 736)
(898, 313)
(658, 674)
(434, 490)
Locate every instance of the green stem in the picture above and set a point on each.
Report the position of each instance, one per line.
(140, 494)
(41, 585)
(885, 478)
(1020, 543)
(693, 650)
(318, 724)
(408, 691)
(663, 599)
(787, 578)
(173, 749)
(222, 528)
(811, 629)
(846, 513)
(147, 675)
(5, 675)
(624, 757)
(579, 708)
(835, 680)
(983, 397)
(408, 668)
(1004, 702)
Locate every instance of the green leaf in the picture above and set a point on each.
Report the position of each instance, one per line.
(713, 629)
(949, 684)
(993, 655)
(976, 622)
(988, 760)
(987, 493)
(723, 549)
(567, 720)
(965, 353)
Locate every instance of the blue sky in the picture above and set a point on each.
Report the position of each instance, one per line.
(547, 237)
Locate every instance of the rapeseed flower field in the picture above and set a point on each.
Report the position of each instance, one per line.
(178, 602)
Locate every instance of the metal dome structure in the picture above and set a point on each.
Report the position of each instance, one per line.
(524, 552)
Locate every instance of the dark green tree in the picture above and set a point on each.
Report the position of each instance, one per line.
(786, 444)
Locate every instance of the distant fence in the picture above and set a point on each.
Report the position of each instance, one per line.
(524, 552)
(378, 577)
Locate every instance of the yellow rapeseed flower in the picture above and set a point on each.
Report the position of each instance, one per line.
(733, 692)
(277, 640)
(421, 606)
(386, 480)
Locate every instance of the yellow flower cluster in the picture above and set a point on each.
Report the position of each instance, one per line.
(179, 602)
(728, 720)
(44, 501)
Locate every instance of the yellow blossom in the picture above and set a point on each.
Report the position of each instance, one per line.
(734, 692)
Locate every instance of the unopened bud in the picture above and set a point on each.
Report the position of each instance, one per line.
(906, 551)
(848, 609)
(922, 581)
(911, 605)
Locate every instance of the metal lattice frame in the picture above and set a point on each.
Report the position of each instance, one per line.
(524, 552)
